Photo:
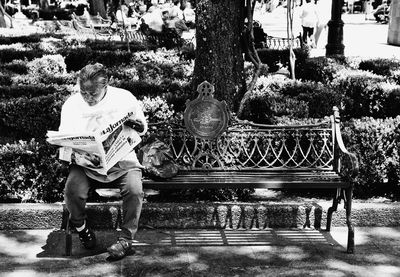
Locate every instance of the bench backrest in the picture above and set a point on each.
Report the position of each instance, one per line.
(204, 142)
(244, 146)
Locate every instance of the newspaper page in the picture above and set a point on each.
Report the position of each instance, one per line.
(98, 151)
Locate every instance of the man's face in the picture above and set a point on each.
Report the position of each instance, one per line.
(91, 93)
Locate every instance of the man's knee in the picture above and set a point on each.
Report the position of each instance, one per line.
(133, 184)
(77, 184)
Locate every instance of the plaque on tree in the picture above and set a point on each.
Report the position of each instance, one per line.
(206, 117)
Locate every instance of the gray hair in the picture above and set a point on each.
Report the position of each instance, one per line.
(95, 73)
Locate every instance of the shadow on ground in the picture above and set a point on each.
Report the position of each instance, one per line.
(269, 252)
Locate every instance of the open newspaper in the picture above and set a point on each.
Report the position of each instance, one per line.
(98, 151)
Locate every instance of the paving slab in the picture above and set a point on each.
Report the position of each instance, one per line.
(203, 252)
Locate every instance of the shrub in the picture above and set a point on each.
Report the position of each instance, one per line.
(319, 69)
(380, 66)
(258, 106)
(156, 109)
(8, 55)
(31, 118)
(33, 38)
(367, 94)
(5, 80)
(176, 93)
(48, 65)
(31, 172)
(30, 91)
(76, 58)
(294, 108)
(319, 98)
(376, 143)
(16, 66)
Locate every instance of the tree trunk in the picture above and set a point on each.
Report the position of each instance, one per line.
(219, 59)
(98, 7)
(394, 24)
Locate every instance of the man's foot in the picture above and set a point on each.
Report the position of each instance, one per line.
(120, 249)
(87, 238)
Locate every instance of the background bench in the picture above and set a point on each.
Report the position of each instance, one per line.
(215, 151)
(278, 43)
(168, 38)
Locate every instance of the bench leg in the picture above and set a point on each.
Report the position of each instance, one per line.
(332, 209)
(350, 237)
(65, 225)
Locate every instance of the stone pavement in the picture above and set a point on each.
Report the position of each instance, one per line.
(206, 252)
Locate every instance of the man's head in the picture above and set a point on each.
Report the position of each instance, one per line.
(93, 81)
(165, 16)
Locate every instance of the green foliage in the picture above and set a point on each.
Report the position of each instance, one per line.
(8, 55)
(15, 66)
(77, 58)
(376, 143)
(319, 69)
(48, 65)
(5, 80)
(31, 172)
(29, 91)
(33, 38)
(319, 98)
(367, 94)
(31, 117)
(380, 66)
(156, 109)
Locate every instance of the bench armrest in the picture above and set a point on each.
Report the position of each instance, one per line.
(354, 166)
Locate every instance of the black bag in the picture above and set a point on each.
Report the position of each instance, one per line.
(158, 160)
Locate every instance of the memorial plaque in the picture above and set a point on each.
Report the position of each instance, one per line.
(206, 117)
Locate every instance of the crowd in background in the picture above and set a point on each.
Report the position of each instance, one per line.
(157, 17)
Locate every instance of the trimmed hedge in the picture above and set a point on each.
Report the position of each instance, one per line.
(380, 66)
(29, 91)
(376, 143)
(368, 95)
(31, 171)
(34, 38)
(319, 69)
(8, 55)
(31, 118)
(77, 58)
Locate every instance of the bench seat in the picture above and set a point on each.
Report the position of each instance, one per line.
(248, 179)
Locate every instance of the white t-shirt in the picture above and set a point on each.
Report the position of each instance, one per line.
(189, 15)
(309, 17)
(78, 116)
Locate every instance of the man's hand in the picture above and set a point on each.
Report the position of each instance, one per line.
(135, 124)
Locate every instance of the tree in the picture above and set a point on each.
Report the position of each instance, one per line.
(248, 39)
(98, 7)
(289, 28)
(219, 58)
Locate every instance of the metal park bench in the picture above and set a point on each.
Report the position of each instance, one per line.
(98, 29)
(167, 38)
(214, 151)
(278, 43)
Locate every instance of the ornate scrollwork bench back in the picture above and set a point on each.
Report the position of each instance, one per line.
(215, 150)
(246, 146)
